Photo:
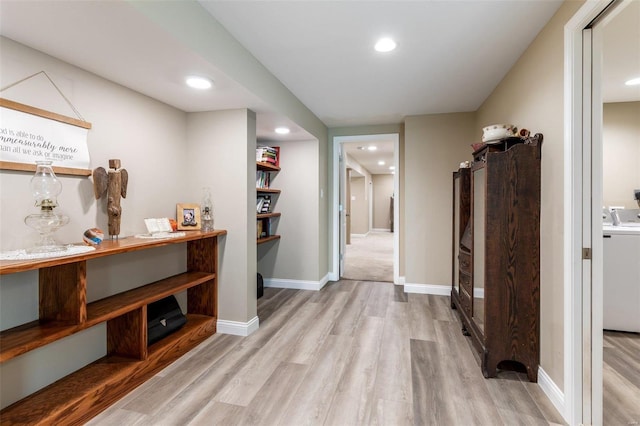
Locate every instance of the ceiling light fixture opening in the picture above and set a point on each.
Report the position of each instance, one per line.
(372, 148)
(385, 44)
(380, 163)
(201, 83)
(282, 130)
(633, 82)
(392, 168)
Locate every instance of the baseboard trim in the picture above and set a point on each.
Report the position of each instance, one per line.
(439, 290)
(238, 328)
(296, 284)
(381, 229)
(553, 392)
(359, 235)
(400, 281)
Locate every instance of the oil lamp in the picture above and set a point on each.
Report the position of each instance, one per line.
(45, 188)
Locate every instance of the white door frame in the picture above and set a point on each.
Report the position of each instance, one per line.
(335, 209)
(582, 217)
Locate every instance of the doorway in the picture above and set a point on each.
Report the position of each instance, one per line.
(361, 164)
(585, 91)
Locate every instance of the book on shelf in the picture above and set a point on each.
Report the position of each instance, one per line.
(268, 154)
(264, 227)
(259, 228)
(263, 204)
(263, 179)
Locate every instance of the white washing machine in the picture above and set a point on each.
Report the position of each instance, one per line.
(621, 278)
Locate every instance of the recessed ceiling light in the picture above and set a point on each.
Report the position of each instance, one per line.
(385, 45)
(380, 163)
(633, 82)
(199, 82)
(392, 167)
(372, 148)
(282, 130)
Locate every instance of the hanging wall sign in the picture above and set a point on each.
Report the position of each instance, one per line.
(28, 134)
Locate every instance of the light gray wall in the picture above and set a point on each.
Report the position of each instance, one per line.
(359, 205)
(621, 153)
(149, 138)
(434, 147)
(295, 255)
(221, 154)
(382, 192)
(190, 23)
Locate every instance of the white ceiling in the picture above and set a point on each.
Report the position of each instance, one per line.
(450, 55)
(358, 150)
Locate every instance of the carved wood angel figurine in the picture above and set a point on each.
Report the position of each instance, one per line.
(114, 184)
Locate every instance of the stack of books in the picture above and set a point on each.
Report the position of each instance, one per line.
(263, 226)
(263, 204)
(263, 179)
(267, 154)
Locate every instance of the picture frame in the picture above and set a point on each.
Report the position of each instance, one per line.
(188, 217)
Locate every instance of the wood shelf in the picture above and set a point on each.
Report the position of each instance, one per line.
(266, 215)
(78, 397)
(106, 248)
(63, 311)
(267, 239)
(267, 167)
(268, 190)
(119, 304)
(264, 219)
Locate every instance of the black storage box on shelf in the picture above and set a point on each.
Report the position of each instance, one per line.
(260, 286)
(163, 318)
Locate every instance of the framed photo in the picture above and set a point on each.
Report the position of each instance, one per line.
(188, 217)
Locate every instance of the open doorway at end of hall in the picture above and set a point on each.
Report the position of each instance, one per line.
(366, 200)
(369, 237)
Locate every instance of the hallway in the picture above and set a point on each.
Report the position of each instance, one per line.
(370, 257)
(354, 353)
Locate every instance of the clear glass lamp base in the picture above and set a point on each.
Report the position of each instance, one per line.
(46, 223)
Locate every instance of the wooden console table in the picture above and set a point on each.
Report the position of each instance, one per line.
(129, 362)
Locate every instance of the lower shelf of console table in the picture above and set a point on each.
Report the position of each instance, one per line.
(81, 395)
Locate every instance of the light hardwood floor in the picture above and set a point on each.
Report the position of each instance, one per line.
(355, 353)
(621, 379)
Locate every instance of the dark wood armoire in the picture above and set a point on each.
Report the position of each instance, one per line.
(496, 253)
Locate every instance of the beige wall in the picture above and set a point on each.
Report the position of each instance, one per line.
(295, 255)
(382, 192)
(531, 96)
(359, 205)
(434, 146)
(621, 153)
